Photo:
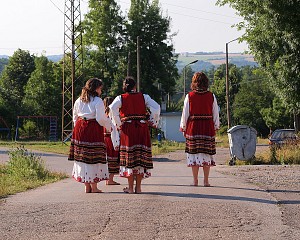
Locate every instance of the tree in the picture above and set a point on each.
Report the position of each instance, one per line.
(104, 40)
(3, 63)
(219, 88)
(158, 64)
(43, 89)
(253, 95)
(274, 39)
(277, 116)
(188, 79)
(13, 80)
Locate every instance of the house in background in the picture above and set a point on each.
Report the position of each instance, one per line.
(169, 124)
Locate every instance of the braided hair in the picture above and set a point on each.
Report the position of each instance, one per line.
(107, 101)
(129, 84)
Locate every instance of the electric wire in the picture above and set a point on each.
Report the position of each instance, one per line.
(57, 7)
(196, 10)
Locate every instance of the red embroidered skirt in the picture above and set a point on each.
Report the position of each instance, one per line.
(200, 136)
(135, 145)
(87, 143)
(112, 155)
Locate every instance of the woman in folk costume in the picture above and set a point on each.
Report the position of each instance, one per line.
(199, 123)
(112, 154)
(87, 148)
(130, 116)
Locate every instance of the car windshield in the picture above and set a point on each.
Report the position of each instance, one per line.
(283, 134)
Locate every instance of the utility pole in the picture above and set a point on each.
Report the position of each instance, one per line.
(227, 86)
(184, 76)
(138, 64)
(129, 64)
(72, 63)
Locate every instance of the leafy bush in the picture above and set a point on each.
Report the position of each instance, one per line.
(24, 164)
(28, 129)
(288, 154)
(23, 171)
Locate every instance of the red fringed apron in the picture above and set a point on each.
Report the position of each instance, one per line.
(135, 142)
(112, 155)
(87, 143)
(200, 132)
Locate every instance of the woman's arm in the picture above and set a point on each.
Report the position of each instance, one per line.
(114, 112)
(154, 109)
(75, 112)
(185, 114)
(101, 117)
(216, 118)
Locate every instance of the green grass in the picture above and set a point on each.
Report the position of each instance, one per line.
(24, 171)
(57, 147)
(289, 154)
(166, 146)
(53, 147)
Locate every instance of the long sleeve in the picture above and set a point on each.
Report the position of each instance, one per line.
(154, 109)
(75, 112)
(216, 114)
(114, 111)
(185, 114)
(115, 136)
(101, 117)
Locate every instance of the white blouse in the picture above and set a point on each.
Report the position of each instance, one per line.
(150, 103)
(186, 113)
(92, 110)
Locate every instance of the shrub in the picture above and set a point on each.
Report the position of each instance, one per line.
(23, 171)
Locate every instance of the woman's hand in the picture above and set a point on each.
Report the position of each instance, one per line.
(117, 148)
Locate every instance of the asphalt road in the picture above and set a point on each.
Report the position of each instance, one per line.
(169, 207)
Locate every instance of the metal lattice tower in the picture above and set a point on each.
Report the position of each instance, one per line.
(72, 62)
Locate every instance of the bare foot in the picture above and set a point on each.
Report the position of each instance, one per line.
(206, 185)
(96, 191)
(127, 190)
(112, 183)
(195, 184)
(138, 190)
(88, 188)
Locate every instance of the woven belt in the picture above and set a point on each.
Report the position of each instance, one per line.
(135, 117)
(85, 119)
(200, 117)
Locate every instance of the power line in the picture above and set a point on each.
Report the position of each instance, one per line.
(57, 7)
(248, 81)
(201, 18)
(198, 10)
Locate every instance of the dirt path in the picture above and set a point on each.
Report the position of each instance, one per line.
(235, 208)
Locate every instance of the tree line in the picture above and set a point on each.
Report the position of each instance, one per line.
(264, 97)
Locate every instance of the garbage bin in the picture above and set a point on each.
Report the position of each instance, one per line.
(242, 143)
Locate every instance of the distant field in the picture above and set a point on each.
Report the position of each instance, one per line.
(217, 59)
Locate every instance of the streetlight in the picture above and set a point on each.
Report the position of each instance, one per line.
(227, 84)
(184, 75)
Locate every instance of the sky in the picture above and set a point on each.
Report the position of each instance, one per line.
(38, 25)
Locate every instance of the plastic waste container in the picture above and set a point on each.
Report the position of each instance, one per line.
(242, 143)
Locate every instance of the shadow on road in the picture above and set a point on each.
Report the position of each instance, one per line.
(248, 189)
(221, 197)
(164, 160)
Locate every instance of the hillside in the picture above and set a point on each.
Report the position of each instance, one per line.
(206, 60)
(209, 60)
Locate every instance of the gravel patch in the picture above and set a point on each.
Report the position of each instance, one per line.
(281, 181)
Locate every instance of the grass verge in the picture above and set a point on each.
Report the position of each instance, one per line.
(53, 147)
(166, 146)
(285, 155)
(24, 171)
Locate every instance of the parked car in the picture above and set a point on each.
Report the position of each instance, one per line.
(283, 136)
